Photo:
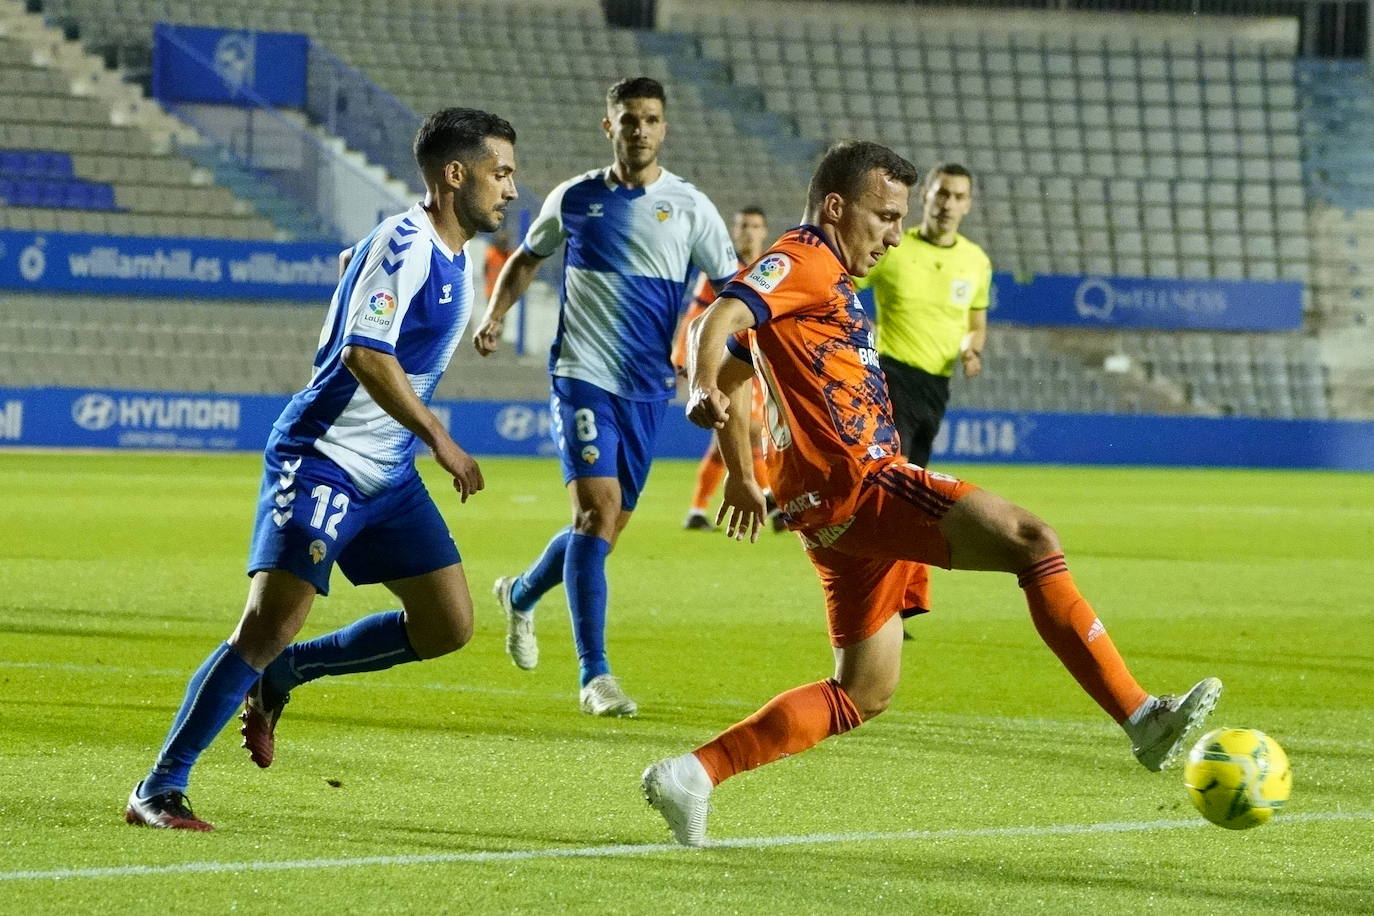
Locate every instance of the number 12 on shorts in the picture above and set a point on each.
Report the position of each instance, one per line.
(321, 494)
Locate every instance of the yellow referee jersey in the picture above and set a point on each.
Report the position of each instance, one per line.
(924, 294)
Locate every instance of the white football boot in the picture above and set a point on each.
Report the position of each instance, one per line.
(603, 697)
(679, 789)
(1160, 735)
(521, 645)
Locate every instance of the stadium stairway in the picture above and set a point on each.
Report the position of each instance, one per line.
(62, 100)
(1338, 147)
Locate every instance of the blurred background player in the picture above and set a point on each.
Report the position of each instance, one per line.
(635, 233)
(867, 516)
(749, 231)
(340, 483)
(931, 298)
(497, 254)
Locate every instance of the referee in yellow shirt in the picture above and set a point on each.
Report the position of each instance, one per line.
(931, 293)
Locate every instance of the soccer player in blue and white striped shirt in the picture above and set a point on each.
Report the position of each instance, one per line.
(636, 235)
(340, 483)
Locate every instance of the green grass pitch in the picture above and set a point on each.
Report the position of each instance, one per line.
(465, 785)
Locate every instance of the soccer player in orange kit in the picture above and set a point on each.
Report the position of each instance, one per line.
(866, 517)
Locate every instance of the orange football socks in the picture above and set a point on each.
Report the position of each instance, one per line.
(790, 723)
(1069, 626)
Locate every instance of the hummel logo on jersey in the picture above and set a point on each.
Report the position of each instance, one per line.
(595, 210)
(448, 294)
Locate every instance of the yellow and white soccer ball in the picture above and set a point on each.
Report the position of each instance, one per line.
(1237, 777)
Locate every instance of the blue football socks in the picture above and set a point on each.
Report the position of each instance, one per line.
(546, 573)
(213, 695)
(584, 576)
(373, 643)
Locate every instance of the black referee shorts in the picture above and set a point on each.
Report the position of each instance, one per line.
(918, 405)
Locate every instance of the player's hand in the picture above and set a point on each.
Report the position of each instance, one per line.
(708, 408)
(743, 509)
(488, 336)
(467, 476)
(973, 363)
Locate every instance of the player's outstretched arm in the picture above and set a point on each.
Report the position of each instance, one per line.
(719, 399)
(381, 374)
(707, 405)
(514, 279)
(742, 510)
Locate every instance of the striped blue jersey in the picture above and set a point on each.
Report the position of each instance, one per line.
(404, 293)
(631, 254)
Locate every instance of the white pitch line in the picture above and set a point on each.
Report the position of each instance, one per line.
(627, 849)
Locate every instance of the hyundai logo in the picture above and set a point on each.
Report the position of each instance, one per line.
(94, 412)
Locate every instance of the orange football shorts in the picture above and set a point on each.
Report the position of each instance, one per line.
(874, 565)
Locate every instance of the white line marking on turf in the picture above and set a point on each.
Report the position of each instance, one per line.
(627, 849)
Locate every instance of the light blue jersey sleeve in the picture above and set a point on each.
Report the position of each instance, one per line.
(547, 232)
(384, 290)
(712, 250)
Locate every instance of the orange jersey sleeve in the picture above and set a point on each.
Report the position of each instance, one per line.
(829, 420)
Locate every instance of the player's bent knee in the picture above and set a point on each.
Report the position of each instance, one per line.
(596, 521)
(441, 639)
(872, 706)
(1036, 539)
(869, 702)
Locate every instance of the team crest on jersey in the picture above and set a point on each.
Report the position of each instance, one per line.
(379, 310)
(663, 210)
(317, 550)
(590, 453)
(769, 272)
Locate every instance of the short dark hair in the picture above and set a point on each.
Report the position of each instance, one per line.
(636, 87)
(752, 210)
(457, 133)
(947, 168)
(846, 164)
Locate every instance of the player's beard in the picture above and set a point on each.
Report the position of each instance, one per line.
(471, 212)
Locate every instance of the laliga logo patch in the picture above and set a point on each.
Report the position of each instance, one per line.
(663, 211)
(317, 550)
(590, 453)
(382, 303)
(380, 308)
(769, 272)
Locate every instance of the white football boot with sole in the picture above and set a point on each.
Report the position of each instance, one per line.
(1162, 733)
(679, 789)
